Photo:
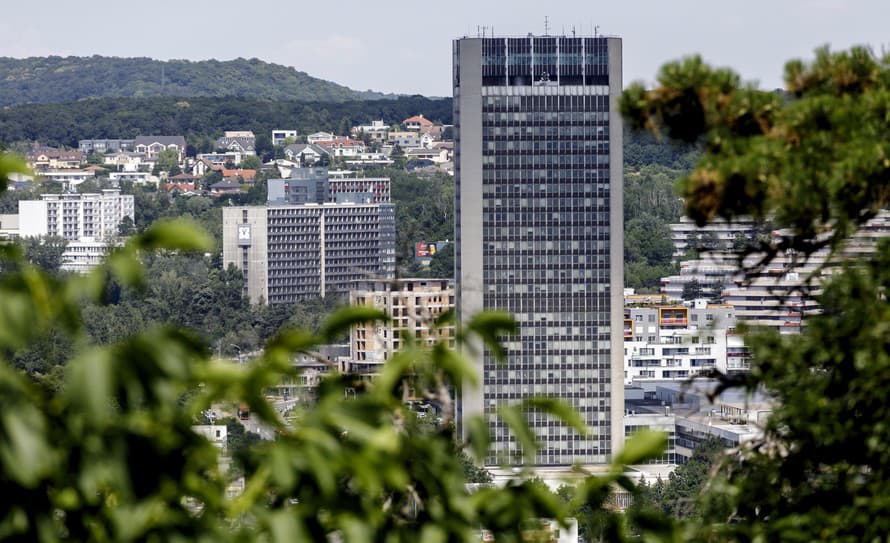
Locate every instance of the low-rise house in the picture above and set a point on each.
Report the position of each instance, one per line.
(124, 161)
(280, 136)
(405, 140)
(221, 159)
(319, 136)
(427, 140)
(416, 123)
(55, 159)
(443, 145)
(245, 176)
(177, 188)
(182, 183)
(9, 226)
(102, 146)
(343, 147)
(225, 186)
(376, 131)
(438, 156)
(284, 166)
(306, 154)
(150, 146)
(202, 166)
(137, 178)
(435, 131)
(243, 142)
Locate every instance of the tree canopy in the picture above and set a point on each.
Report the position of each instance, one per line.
(69, 79)
(199, 119)
(814, 161)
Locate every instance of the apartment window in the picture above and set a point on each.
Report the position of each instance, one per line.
(709, 317)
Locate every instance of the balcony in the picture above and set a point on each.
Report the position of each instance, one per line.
(673, 316)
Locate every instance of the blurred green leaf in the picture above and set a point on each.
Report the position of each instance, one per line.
(561, 410)
(175, 234)
(344, 319)
(641, 446)
(489, 325)
(479, 439)
(515, 419)
(26, 453)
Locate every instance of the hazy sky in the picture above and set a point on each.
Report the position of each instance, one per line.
(405, 47)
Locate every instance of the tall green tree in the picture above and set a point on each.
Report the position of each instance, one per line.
(45, 252)
(813, 160)
(167, 160)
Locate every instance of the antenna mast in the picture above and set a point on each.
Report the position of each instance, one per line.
(546, 25)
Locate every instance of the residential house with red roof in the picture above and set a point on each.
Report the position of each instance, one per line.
(416, 123)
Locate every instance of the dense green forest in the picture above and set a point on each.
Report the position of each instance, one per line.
(200, 119)
(44, 80)
(651, 171)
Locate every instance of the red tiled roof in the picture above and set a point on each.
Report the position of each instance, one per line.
(243, 174)
(418, 119)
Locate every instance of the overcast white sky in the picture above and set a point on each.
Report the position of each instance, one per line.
(405, 47)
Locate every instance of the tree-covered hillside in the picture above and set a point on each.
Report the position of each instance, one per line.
(651, 171)
(65, 124)
(68, 79)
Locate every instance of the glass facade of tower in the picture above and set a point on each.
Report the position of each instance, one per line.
(544, 175)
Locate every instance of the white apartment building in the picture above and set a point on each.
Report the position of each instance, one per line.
(76, 217)
(279, 136)
(780, 295)
(82, 256)
(676, 342)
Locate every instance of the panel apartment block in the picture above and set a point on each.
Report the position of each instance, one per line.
(538, 173)
(75, 217)
(292, 252)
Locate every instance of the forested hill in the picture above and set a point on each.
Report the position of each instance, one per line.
(197, 118)
(43, 80)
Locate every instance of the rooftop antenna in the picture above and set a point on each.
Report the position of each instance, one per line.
(573, 31)
(546, 25)
(596, 30)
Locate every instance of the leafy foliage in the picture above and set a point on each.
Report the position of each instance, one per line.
(424, 212)
(815, 161)
(652, 169)
(69, 79)
(681, 496)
